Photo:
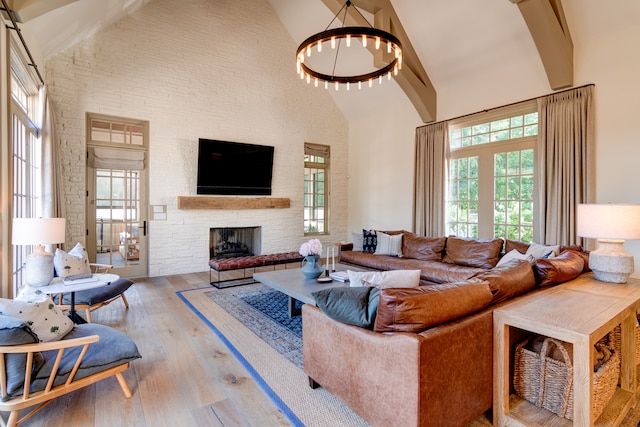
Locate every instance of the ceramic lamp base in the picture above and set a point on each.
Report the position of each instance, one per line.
(39, 267)
(610, 263)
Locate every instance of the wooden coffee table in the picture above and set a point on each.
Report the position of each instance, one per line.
(292, 282)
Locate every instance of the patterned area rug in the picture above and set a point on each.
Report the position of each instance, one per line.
(264, 311)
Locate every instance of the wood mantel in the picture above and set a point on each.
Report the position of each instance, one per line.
(205, 202)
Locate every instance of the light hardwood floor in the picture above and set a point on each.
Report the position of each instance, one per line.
(186, 376)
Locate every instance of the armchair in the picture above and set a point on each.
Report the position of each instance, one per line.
(33, 373)
(92, 299)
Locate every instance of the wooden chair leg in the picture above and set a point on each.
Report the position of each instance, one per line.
(126, 303)
(123, 385)
(13, 419)
(88, 313)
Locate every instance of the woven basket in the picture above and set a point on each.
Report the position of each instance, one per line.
(617, 340)
(548, 383)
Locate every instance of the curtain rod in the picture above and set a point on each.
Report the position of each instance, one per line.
(24, 43)
(503, 106)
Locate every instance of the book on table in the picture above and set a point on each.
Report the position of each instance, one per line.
(341, 276)
(76, 279)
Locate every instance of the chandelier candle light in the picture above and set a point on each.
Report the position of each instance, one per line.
(38, 232)
(367, 36)
(610, 224)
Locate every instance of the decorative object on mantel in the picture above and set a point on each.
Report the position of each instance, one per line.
(38, 232)
(610, 224)
(311, 251)
(387, 48)
(205, 202)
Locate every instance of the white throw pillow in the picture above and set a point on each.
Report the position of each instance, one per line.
(76, 261)
(389, 244)
(385, 279)
(515, 254)
(542, 251)
(44, 318)
(357, 241)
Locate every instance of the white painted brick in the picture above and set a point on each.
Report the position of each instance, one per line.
(220, 70)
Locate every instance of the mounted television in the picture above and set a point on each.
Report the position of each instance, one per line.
(234, 168)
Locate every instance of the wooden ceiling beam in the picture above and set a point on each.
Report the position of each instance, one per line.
(550, 32)
(413, 78)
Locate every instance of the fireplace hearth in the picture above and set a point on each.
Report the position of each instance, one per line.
(229, 242)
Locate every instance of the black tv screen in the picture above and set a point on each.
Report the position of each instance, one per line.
(234, 168)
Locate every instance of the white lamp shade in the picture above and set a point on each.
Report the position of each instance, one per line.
(609, 221)
(38, 231)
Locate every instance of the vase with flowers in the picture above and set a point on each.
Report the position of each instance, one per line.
(311, 251)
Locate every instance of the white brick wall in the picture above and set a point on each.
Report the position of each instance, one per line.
(212, 69)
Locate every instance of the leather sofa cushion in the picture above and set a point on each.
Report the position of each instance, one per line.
(566, 266)
(473, 252)
(522, 247)
(417, 309)
(513, 278)
(422, 248)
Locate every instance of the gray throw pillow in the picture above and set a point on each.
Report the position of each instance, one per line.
(353, 306)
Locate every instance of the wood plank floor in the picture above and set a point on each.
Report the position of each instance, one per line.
(186, 376)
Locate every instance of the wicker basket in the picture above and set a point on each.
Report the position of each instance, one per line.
(548, 383)
(617, 339)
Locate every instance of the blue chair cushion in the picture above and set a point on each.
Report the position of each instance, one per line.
(114, 348)
(14, 331)
(97, 295)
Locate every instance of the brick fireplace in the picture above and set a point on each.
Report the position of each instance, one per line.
(227, 242)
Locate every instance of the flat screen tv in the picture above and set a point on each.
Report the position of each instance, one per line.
(234, 168)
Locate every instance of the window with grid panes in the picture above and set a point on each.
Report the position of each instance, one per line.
(316, 184)
(26, 152)
(492, 174)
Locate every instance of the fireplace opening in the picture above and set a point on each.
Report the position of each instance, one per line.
(229, 242)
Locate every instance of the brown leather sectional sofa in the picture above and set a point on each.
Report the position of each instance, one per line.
(435, 367)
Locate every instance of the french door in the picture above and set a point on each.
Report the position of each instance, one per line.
(117, 220)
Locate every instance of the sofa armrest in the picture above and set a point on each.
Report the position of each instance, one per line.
(375, 374)
(404, 379)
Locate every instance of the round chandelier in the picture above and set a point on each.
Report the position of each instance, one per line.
(367, 36)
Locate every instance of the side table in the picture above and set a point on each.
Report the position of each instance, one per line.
(57, 286)
(580, 312)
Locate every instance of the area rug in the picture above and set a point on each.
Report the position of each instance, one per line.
(280, 378)
(253, 323)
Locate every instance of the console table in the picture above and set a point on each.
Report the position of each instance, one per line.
(580, 312)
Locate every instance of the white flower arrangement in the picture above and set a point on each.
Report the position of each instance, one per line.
(312, 247)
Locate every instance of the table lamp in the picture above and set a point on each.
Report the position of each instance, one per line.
(38, 232)
(610, 224)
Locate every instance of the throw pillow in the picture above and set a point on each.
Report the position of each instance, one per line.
(414, 310)
(509, 279)
(76, 261)
(353, 306)
(45, 319)
(385, 279)
(542, 251)
(566, 266)
(515, 254)
(389, 244)
(358, 240)
(473, 252)
(423, 248)
(510, 245)
(369, 241)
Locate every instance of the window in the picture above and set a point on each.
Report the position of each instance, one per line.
(316, 184)
(491, 174)
(26, 153)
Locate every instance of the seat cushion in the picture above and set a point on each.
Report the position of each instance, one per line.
(14, 331)
(97, 295)
(113, 349)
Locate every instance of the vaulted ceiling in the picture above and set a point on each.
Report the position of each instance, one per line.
(443, 40)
